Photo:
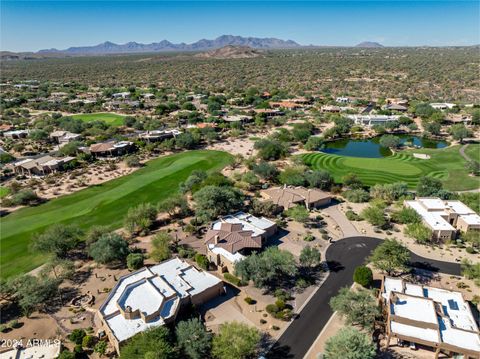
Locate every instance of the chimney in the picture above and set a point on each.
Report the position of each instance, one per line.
(216, 238)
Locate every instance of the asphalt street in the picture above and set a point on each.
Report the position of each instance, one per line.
(342, 257)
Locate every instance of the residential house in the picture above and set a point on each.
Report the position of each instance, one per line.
(62, 137)
(343, 100)
(437, 318)
(232, 236)
(123, 95)
(330, 109)
(153, 296)
(40, 166)
(111, 148)
(442, 105)
(395, 107)
(288, 197)
(158, 135)
(371, 120)
(268, 113)
(444, 218)
(237, 118)
(16, 134)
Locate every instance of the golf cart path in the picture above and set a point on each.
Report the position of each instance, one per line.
(463, 154)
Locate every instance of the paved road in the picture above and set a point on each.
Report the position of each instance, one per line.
(342, 256)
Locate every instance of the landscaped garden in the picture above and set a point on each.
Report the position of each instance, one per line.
(112, 119)
(105, 204)
(445, 164)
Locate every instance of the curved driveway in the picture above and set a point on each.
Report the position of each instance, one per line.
(342, 257)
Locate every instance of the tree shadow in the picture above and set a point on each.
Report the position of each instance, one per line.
(334, 266)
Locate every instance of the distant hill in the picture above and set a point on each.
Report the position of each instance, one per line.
(201, 45)
(232, 52)
(369, 44)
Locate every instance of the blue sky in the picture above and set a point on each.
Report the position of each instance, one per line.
(35, 25)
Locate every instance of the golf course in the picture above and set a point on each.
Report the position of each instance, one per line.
(104, 204)
(111, 119)
(445, 164)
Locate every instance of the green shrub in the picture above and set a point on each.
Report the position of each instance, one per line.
(352, 216)
(309, 238)
(135, 261)
(234, 280)
(78, 350)
(271, 309)
(263, 321)
(76, 336)
(471, 250)
(250, 301)
(363, 276)
(202, 261)
(274, 327)
(301, 283)
(280, 304)
(88, 341)
(14, 324)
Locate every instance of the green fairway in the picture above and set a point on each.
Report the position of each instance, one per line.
(4, 191)
(112, 119)
(445, 164)
(104, 204)
(473, 152)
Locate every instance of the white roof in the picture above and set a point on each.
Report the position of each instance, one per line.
(473, 219)
(392, 285)
(457, 337)
(433, 219)
(149, 290)
(33, 352)
(414, 289)
(231, 257)
(432, 210)
(427, 334)
(456, 324)
(414, 308)
(249, 222)
(459, 208)
(454, 306)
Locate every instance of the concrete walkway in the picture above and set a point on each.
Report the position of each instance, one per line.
(347, 228)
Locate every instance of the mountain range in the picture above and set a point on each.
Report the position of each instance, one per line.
(165, 45)
(369, 44)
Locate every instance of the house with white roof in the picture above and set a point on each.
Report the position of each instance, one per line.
(232, 236)
(372, 120)
(433, 317)
(153, 296)
(444, 218)
(442, 105)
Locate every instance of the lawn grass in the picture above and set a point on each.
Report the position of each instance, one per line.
(111, 119)
(4, 191)
(104, 204)
(473, 151)
(445, 164)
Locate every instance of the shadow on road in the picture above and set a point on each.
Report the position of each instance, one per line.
(334, 266)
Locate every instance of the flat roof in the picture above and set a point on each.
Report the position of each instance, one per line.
(414, 308)
(454, 324)
(427, 334)
(160, 287)
(433, 219)
(232, 257)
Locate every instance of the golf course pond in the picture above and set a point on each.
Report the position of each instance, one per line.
(371, 148)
